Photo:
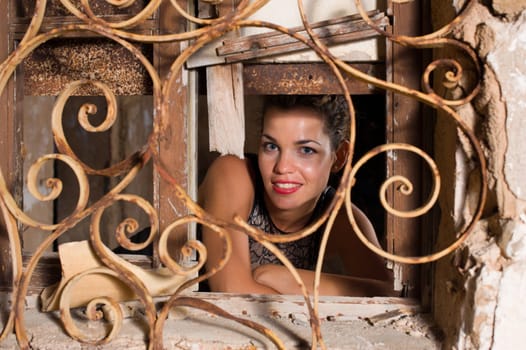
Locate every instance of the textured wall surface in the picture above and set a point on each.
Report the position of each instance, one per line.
(509, 7)
(506, 59)
(478, 290)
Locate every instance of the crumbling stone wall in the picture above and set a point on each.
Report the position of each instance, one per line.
(480, 289)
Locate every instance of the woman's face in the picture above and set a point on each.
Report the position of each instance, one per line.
(295, 158)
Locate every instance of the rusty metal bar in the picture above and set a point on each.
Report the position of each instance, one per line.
(304, 78)
(127, 32)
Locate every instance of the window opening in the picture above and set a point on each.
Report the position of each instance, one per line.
(370, 115)
(170, 126)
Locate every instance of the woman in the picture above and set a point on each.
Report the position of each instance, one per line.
(303, 142)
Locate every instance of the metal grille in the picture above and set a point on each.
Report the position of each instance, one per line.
(124, 35)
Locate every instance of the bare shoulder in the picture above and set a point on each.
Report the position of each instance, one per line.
(228, 185)
(227, 170)
(228, 164)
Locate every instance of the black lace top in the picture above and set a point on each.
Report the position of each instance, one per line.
(302, 253)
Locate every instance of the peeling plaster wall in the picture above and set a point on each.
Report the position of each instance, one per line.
(480, 288)
(507, 60)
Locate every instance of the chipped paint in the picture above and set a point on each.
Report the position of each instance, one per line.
(483, 314)
(393, 155)
(505, 59)
(118, 65)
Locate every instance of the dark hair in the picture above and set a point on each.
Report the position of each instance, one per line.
(332, 108)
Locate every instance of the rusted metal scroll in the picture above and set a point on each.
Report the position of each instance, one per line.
(126, 33)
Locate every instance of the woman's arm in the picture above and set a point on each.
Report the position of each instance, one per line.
(228, 190)
(364, 272)
(279, 278)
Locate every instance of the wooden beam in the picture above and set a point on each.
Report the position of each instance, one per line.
(8, 145)
(226, 112)
(331, 32)
(404, 125)
(173, 140)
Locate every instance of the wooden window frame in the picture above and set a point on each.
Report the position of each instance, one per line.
(401, 112)
(404, 124)
(182, 135)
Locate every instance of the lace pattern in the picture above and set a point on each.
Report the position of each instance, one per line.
(301, 253)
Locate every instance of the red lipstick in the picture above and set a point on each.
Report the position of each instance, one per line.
(283, 187)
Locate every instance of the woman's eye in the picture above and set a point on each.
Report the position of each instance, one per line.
(307, 150)
(268, 146)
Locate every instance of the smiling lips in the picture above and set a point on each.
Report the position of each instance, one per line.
(285, 187)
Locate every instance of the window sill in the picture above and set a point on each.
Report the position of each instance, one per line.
(379, 323)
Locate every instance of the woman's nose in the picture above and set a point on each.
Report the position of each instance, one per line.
(284, 163)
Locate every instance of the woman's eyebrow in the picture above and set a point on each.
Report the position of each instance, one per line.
(268, 137)
(304, 142)
(299, 142)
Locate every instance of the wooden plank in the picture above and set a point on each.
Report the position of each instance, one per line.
(226, 112)
(8, 143)
(11, 137)
(173, 139)
(349, 34)
(303, 78)
(298, 46)
(323, 29)
(404, 124)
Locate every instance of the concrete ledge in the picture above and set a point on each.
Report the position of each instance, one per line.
(347, 323)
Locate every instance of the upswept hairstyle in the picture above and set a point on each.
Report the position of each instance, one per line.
(332, 108)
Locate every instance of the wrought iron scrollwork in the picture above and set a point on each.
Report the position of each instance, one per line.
(127, 169)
